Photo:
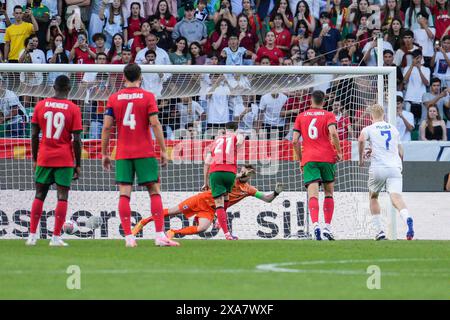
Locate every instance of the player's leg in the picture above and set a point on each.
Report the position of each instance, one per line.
(327, 172)
(143, 222)
(376, 183)
(394, 185)
(221, 184)
(203, 225)
(36, 211)
(311, 178)
(125, 177)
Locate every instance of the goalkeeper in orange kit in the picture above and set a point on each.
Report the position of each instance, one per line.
(202, 207)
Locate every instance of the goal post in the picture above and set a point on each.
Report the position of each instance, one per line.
(195, 101)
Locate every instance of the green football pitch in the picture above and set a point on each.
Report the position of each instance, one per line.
(218, 269)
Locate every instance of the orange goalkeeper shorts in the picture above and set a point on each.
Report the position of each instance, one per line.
(196, 207)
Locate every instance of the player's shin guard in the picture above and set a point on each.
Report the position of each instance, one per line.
(36, 213)
(125, 214)
(328, 209)
(60, 216)
(313, 206)
(187, 230)
(222, 218)
(157, 212)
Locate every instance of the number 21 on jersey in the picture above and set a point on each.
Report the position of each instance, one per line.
(219, 147)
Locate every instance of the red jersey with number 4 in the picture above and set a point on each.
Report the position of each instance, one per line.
(57, 119)
(313, 127)
(132, 107)
(224, 154)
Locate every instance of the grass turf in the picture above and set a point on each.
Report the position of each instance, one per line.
(202, 269)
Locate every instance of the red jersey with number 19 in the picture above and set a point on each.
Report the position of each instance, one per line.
(224, 154)
(312, 125)
(57, 119)
(132, 107)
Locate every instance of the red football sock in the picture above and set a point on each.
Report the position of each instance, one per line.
(157, 212)
(313, 206)
(328, 209)
(222, 218)
(60, 216)
(125, 214)
(187, 230)
(145, 221)
(36, 213)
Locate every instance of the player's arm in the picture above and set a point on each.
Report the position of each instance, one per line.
(270, 197)
(361, 147)
(76, 143)
(108, 121)
(159, 135)
(334, 137)
(296, 144)
(208, 162)
(35, 130)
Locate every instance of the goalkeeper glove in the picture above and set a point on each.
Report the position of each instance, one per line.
(278, 189)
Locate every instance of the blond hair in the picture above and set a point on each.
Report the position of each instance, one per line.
(376, 111)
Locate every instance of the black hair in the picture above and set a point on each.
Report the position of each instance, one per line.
(318, 97)
(132, 72)
(62, 84)
(231, 125)
(433, 80)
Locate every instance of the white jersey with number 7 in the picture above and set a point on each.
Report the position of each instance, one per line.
(384, 140)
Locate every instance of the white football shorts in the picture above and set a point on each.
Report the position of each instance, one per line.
(390, 177)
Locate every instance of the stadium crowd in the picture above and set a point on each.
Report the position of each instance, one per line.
(416, 37)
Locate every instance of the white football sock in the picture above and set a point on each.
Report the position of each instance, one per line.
(129, 237)
(377, 223)
(161, 235)
(404, 214)
(328, 226)
(316, 225)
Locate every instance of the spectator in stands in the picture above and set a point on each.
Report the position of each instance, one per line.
(202, 13)
(424, 37)
(354, 51)
(390, 13)
(302, 12)
(114, 20)
(245, 115)
(296, 55)
(82, 6)
(344, 58)
(190, 112)
(435, 97)
(405, 119)
(10, 5)
(303, 38)
(370, 49)
(339, 15)
(219, 38)
(126, 7)
(264, 8)
(152, 7)
(17, 33)
(161, 55)
(271, 117)
(74, 26)
(359, 8)
(134, 21)
(233, 54)
(95, 23)
(270, 50)
(57, 54)
(394, 34)
(247, 37)
(417, 9)
(180, 52)
(441, 14)
(152, 82)
(253, 20)
(388, 61)
(282, 34)
(311, 57)
(225, 12)
(344, 125)
(115, 52)
(189, 27)
(54, 6)
(327, 39)
(403, 57)
(441, 61)
(164, 36)
(139, 41)
(31, 54)
(4, 23)
(54, 29)
(265, 61)
(99, 41)
(197, 56)
(166, 18)
(81, 53)
(416, 79)
(362, 34)
(42, 15)
(218, 114)
(12, 113)
(282, 7)
(433, 128)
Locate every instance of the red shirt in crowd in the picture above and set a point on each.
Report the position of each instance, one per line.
(273, 54)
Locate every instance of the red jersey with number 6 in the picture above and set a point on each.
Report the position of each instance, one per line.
(131, 108)
(312, 125)
(57, 119)
(224, 154)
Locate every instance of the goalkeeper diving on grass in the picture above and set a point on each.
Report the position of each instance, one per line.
(202, 206)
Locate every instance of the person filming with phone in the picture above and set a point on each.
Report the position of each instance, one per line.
(327, 39)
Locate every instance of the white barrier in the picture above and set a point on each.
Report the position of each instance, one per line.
(251, 218)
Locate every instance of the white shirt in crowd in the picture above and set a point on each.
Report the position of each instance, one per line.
(34, 78)
(161, 56)
(421, 37)
(405, 135)
(384, 140)
(217, 104)
(271, 106)
(186, 116)
(441, 68)
(8, 100)
(372, 62)
(415, 86)
(117, 26)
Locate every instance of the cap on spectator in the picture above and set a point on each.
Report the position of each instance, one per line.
(97, 36)
(400, 95)
(325, 15)
(189, 6)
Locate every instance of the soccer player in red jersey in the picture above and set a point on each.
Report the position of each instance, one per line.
(321, 150)
(53, 159)
(134, 111)
(220, 172)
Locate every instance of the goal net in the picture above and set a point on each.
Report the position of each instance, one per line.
(194, 103)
